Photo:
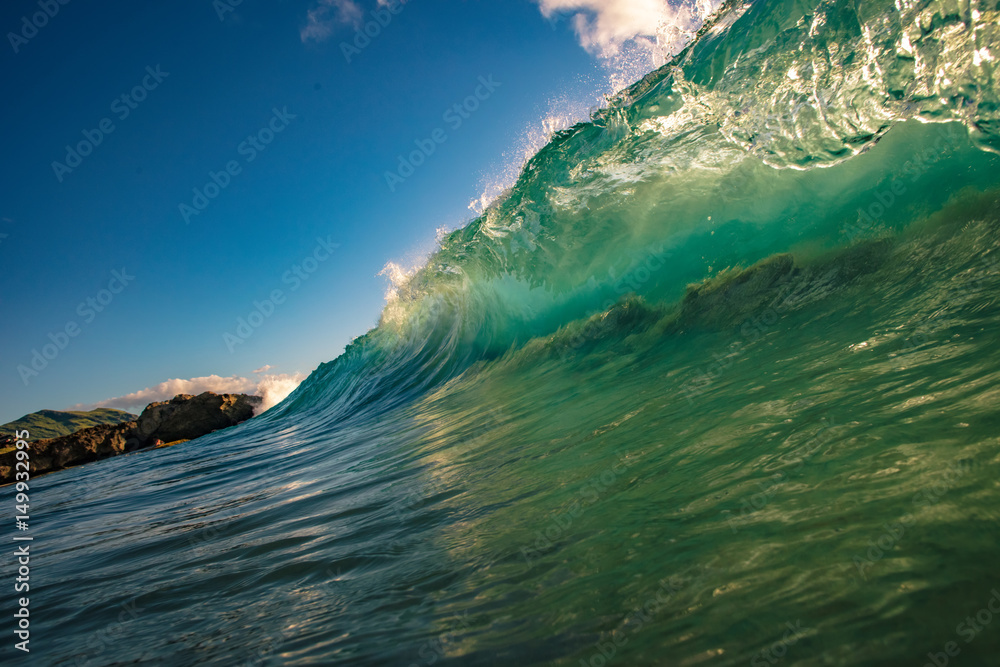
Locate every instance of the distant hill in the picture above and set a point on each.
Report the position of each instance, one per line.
(53, 423)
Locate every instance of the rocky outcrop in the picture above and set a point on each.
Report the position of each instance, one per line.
(90, 444)
(184, 417)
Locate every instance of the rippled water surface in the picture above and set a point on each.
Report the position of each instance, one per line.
(715, 383)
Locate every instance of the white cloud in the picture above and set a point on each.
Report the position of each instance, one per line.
(605, 26)
(272, 388)
(321, 18)
(263, 369)
(632, 36)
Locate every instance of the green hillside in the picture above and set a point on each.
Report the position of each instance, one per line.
(53, 423)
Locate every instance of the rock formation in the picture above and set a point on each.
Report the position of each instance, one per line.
(184, 417)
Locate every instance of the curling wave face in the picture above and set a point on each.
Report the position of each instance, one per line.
(704, 144)
(715, 382)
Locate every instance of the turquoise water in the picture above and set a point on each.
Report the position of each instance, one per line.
(716, 382)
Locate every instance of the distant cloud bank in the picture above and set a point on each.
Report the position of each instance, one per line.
(273, 388)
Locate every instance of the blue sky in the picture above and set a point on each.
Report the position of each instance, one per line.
(197, 87)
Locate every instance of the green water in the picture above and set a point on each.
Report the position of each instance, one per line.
(833, 464)
(715, 383)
